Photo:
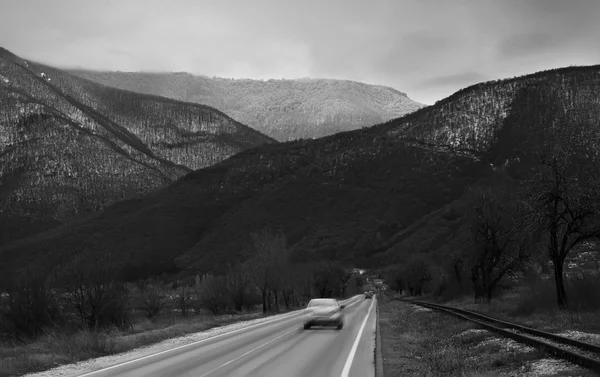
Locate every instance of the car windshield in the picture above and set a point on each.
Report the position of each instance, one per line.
(321, 303)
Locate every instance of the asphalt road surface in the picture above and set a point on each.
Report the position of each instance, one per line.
(280, 348)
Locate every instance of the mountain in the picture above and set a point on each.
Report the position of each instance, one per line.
(361, 197)
(69, 146)
(283, 109)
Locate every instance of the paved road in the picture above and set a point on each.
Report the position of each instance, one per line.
(280, 348)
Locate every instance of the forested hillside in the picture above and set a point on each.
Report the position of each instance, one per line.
(283, 109)
(365, 197)
(69, 147)
(503, 116)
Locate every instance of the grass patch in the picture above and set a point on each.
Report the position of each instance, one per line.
(57, 348)
(534, 305)
(426, 343)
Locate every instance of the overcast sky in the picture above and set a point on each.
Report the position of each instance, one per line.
(426, 48)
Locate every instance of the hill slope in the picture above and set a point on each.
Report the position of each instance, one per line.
(69, 146)
(360, 196)
(283, 109)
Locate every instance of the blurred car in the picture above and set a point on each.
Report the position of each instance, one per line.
(368, 294)
(324, 312)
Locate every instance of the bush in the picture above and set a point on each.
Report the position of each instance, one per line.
(100, 300)
(152, 301)
(29, 308)
(212, 293)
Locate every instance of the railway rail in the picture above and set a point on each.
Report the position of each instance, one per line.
(581, 353)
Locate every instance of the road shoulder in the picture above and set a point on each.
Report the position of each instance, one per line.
(378, 350)
(396, 349)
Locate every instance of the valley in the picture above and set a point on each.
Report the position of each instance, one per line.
(116, 199)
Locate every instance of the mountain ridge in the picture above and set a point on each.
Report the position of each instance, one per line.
(354, 196)
(69, 146)
(285, 109)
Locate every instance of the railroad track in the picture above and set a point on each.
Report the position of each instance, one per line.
(581, 353)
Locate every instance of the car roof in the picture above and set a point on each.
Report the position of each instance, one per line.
(327, 300)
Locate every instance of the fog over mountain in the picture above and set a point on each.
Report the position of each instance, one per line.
(427, 49)
(282, 109)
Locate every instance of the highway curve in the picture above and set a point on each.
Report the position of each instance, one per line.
(271, 349)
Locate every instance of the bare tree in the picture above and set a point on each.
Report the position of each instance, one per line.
(99, 297)
(418, 274)
(394, 274)
(499, 240)
(268, 244)
(281, 283)
(30, 306)
(291, 278)
(237, 281)
(457, 263)
(330, 279)
(213, 292)
(345, 276)
(565, 202)
(152, 301)
(184, 298)
(304, 283)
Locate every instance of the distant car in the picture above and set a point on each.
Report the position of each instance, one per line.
(324, 312)
(369, 294)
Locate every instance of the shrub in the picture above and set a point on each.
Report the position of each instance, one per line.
(29, 308)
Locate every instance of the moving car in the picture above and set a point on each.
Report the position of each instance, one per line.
(368, 294)
(324, 312)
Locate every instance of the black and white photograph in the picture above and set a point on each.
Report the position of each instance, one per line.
(308, 188)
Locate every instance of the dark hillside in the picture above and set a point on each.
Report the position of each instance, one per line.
(299, 186)
(69, 147)
(503, 116)
(363, 196)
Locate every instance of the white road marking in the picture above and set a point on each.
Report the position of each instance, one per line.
(247, 353)
(348, 364)
(297, 312)
(190, 344)
(354, 303)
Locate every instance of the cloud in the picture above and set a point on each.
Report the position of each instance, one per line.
(454, 80)
(426, 48)
(521, 45)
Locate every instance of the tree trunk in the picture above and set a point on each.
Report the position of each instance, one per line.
(276, 300)
(457, 275)
(440, 290)
(488, 294)
(239, 302)
(287, 296)
(269, 303)
(561, 293)
(264, 300)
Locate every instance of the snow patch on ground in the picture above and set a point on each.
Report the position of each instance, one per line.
(507, 344)
(546, 367)
(419, 309)
(582, 336)
(106, 361)
(470, 331)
